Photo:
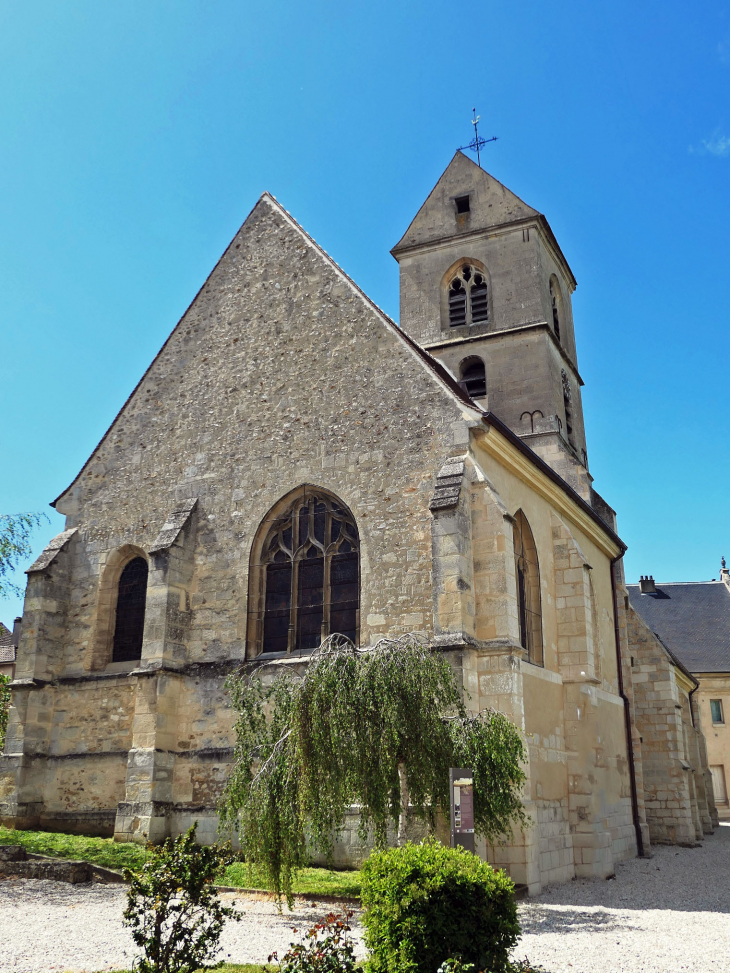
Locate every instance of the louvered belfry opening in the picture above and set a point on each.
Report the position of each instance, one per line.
(473, 377)
(457, 303)
(131, 601)
(479, 305)
(310, 575)
(468, 297)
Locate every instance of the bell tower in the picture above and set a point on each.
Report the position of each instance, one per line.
(485, 288)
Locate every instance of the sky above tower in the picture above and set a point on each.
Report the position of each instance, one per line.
(136, 137)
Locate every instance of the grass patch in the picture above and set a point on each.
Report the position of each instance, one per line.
(119, 854)
(99, 851)
(309, 881)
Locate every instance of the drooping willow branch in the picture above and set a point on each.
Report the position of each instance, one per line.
(376, 728)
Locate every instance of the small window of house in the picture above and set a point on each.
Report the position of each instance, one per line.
(716, 711)
(462, 204)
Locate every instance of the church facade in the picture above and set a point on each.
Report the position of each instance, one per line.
(293, 464)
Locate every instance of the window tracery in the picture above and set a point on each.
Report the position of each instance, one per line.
(468, 297)
(309, 568)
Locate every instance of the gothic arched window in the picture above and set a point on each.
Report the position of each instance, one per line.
(129, 621)
(309, 575)
(473, 378)
(527, 571)
(468, 297)
(555, 304)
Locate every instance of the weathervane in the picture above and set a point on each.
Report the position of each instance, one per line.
(477, 143)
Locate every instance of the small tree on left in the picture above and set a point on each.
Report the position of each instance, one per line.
(173, 907)
(15, 531)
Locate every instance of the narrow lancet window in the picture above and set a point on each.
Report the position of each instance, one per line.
(568, 403)
(457, 303)
(131, 601)
(555, 302)
(479, 304)
(529, 609)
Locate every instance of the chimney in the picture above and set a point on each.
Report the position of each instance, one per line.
(17, 624)
(724, 573)
(647, 585)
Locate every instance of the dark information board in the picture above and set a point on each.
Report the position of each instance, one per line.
(461, 787)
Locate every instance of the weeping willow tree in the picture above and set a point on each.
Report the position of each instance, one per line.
(378, 729)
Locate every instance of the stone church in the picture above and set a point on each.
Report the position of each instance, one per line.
(294, 463)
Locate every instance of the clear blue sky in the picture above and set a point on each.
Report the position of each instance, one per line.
(136, 136)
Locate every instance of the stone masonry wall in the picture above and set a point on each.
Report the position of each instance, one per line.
(281, 373)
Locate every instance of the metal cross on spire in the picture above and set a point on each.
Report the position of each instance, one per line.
(477, 143)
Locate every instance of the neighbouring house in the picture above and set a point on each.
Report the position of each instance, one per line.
(8, 646)
(692, 620)
(293, 464)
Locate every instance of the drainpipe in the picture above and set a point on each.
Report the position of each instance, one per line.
(691, 710)
(627, 712)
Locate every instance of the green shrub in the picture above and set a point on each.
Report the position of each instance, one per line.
(426, 903)
(173, 909)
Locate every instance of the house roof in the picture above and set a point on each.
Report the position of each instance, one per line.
(692, 619)
(7, 649)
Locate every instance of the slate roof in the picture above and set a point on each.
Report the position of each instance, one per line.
(7, 649)
(693, 620)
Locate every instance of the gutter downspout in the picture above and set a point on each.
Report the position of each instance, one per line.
(627, 712)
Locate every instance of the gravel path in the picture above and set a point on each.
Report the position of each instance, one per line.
(660, 915)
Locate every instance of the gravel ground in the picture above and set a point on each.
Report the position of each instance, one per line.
(660, 915)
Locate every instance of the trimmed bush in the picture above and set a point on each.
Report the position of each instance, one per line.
(425, 903)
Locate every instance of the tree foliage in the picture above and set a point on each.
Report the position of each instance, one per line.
(4, 707)
(375, 728)
(15, 531)
(173, 908)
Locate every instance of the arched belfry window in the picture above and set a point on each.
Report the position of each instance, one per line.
(473, 377)
(527, 571)
(468, 296)
(555, 303)
(308, 583)
(129, 620)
